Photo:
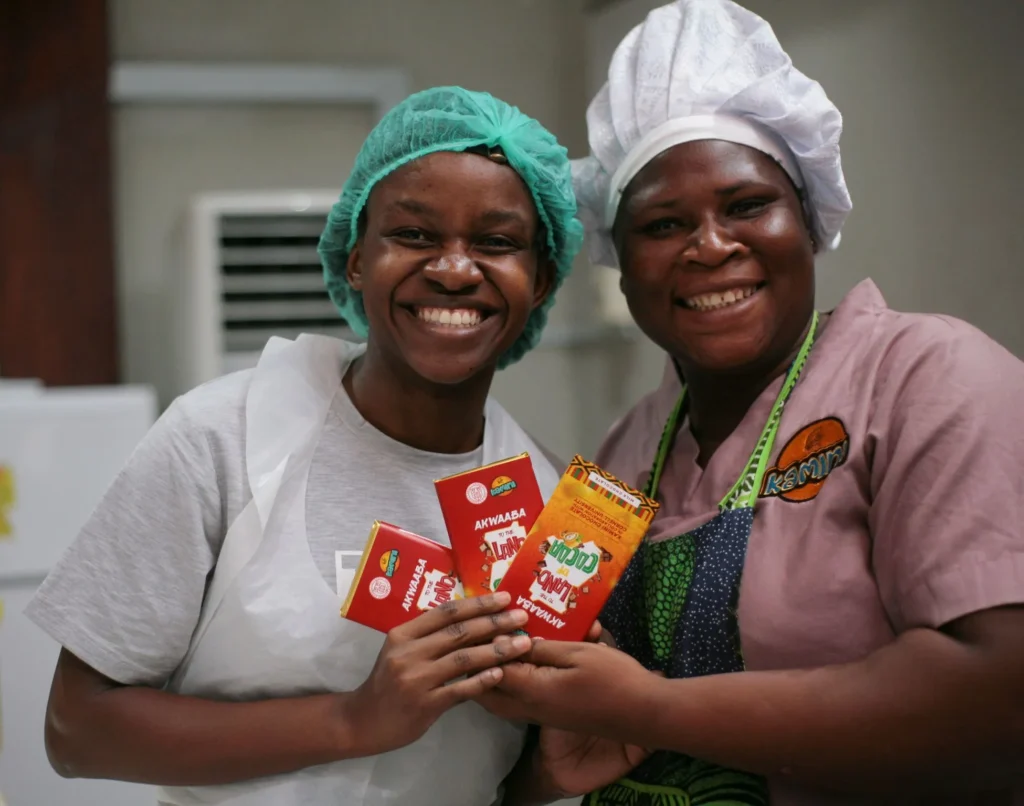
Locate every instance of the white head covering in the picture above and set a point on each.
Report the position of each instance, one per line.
(707, 70)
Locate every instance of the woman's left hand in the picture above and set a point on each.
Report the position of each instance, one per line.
(582, 687)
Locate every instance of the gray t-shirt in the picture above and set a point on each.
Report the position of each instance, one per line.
(126, 596)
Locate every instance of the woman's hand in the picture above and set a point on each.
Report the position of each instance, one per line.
(572, 686)
(416, 676)
(572, 764)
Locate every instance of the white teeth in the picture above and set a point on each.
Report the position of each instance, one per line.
(461, 317)
(709, 302)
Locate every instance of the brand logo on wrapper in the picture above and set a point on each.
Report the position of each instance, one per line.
(389, 562)
(7, 499)
(380, 588)
(806, 461)
(476, 493)
(502, 485)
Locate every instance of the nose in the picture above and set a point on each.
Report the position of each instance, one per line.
(454, 272)
(710, 244)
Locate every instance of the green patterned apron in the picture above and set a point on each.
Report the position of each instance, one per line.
(675, 610)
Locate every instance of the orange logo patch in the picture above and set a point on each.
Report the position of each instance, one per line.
(806, 461)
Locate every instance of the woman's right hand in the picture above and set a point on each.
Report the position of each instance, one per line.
(416, 676)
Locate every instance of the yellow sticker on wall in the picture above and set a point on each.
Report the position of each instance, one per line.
(6, 500)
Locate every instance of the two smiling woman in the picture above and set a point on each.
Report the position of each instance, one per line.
(842, 494)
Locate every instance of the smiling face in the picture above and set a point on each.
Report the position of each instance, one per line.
(449, 265)
(717, 259)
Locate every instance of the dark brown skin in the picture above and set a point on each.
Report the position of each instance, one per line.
(420, 386)
(934, 711)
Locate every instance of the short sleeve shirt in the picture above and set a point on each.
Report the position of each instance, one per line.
(894, 496)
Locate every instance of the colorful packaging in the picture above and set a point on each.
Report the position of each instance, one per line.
(400, 576)
(576, 551)
(488, 512)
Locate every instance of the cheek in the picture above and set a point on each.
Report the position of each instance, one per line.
(517, 282)
(781, 231)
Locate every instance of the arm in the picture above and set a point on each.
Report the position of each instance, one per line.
(96, 728)
(932, 711)
(935, 710)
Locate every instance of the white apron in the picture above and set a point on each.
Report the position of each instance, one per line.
(270, 623)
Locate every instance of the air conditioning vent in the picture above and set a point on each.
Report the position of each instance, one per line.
(250, 271)
(271, 280)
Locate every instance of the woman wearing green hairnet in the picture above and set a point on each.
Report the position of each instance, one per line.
(198, 610)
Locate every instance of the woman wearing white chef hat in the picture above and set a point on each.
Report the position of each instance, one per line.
(828, 606)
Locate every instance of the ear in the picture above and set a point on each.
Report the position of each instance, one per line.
(544, 282)
(354, 266)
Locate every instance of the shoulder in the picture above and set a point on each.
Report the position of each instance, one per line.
(630, 443)
(909, 359)
(213, 412)
(927, 359)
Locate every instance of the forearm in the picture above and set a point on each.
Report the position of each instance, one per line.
(527, 784)
(925, 712)
(155, 737)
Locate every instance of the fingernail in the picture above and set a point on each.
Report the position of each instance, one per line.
(519, 616)
(521, 643)
(502, 597)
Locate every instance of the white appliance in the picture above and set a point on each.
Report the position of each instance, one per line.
(59, 451)
(249, 271)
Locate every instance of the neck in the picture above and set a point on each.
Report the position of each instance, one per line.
(717, 402)
(439, 418)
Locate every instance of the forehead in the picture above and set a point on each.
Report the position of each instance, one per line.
(450, 182)
(703, 165)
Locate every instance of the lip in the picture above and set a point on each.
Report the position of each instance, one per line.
(724, 313)
(489, 319)
(719, 287)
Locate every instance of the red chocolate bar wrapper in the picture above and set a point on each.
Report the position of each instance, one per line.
(488, 512)
(576, 551)
(400, 576)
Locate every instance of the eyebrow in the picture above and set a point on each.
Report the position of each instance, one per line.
(728, 191)
(489, 217)
(503, 217)
(413, 206)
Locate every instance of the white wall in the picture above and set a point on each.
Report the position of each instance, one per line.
(930, 91)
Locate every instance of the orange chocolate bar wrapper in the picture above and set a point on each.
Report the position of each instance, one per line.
(400, 576)
(488, 512)
(577, 551)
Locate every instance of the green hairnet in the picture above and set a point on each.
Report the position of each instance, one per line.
(455, 119)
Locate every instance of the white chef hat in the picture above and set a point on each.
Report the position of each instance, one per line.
(707, 70)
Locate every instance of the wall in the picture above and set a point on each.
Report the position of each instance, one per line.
(930, 94)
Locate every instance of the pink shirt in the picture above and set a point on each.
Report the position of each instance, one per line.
(895, 494)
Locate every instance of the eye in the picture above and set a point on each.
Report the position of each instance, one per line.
(411, 236)
(661, 227)
(748, 207)
(498, 243)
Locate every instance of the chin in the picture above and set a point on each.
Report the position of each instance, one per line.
(721, 356)
(450, 370)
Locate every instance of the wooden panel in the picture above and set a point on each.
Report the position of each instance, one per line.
(57, 293)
